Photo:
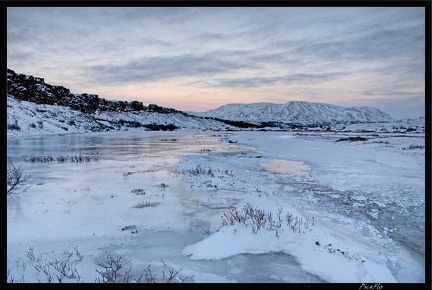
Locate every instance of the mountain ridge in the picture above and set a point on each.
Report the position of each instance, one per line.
(301, 112)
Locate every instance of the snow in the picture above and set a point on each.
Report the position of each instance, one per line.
(298, 112)
(357, 208)
(43, 119)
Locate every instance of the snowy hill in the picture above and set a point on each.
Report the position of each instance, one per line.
(305, 113)
(27, 118)
(34, 108)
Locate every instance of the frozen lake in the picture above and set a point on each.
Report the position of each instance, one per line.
(148, 195)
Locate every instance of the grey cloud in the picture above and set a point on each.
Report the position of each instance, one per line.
(163, 67)
(391, 43)
(206, 67)
(21, 56)
(259, 59)
(379, 44)
(251, 35)
(388, 91)
(26, 36)
(208, 36)
(167, 15)
(407, 106)
(397, 79)
(365, 34)
(287, 79)
(243, 82)
(312, 77)
(151, 41)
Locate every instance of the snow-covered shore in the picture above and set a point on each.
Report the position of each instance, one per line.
(344, 193)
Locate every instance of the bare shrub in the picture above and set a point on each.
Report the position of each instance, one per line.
(413, 146)
(146, 204)
(59, 159)
(199, 170)
(111, 271)
(17, 182)
(352, 139)
(14, 126)
(260, 219)
(138, 191)
(57, 270)
(202, 150)
(114, 270)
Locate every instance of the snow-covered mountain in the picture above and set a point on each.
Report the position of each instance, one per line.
(305, 113)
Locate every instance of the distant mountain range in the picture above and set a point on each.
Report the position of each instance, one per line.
(305, 113)
(36, 107)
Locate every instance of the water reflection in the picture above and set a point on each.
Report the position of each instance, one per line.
(108, 145)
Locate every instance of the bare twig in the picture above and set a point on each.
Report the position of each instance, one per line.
(16, 180)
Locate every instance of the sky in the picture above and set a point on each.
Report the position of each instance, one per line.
(200, 58)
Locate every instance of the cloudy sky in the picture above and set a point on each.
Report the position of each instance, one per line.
(197, 59)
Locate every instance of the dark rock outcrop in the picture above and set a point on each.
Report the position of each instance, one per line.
(34, 89)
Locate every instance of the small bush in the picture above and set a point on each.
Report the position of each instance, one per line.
(412, 147)
(146, 204)
(207, 150)
(198, 170)
(351, 139)
(138, 191)
(259, 219)
(160, 127)
(60, 159)
(13, 127)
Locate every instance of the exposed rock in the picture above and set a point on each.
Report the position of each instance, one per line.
(34, 89)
